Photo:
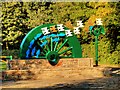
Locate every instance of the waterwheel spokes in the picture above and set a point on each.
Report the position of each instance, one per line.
(56, 44)
(44, 51)
(62, 45)
(51, 44)
(64, 51)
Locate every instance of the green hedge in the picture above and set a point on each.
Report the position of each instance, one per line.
(105, 57)
(13, 53)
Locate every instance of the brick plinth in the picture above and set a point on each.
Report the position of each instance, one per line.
(42, 63)
(25, 69)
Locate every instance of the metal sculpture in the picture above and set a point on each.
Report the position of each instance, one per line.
(96, 30)
(5, 62)
(51, 42)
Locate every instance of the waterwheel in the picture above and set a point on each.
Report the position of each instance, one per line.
(51, 42)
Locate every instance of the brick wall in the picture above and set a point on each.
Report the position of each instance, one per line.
(44, 64)
(31, 69)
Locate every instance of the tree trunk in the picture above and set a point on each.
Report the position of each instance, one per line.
(7, 46)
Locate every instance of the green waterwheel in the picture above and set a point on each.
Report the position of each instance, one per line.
(50, 42)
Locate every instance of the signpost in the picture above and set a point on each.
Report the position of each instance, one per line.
(96, 30)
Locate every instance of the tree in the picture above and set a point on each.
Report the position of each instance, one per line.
(14, 25)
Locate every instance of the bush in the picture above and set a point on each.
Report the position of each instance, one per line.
(13, 53)
(104, 54)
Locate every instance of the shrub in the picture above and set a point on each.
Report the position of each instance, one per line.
(13, 53)
(104, 54)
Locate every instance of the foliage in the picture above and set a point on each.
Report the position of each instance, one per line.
(13, 22)
(105, 57)
(14, 53)
(18, 18)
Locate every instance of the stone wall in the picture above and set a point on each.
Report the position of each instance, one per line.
(32, 69)
(44, 64)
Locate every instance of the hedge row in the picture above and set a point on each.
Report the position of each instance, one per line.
(13, 53)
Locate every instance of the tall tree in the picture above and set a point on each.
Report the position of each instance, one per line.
(14, 25)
